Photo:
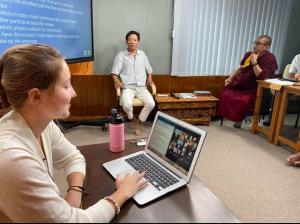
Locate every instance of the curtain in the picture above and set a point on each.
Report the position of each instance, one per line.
(210, 37)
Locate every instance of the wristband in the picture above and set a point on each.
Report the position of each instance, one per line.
(255, 64)
(112, 201)
(74, 189)
(81, 189)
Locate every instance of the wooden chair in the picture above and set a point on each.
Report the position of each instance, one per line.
(285, 74)
(292, 98)
(136, 102)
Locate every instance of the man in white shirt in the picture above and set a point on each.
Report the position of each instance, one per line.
(294, 72)
(131, 71)
(295, 68)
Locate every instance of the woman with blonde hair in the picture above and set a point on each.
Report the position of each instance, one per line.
(35, 83)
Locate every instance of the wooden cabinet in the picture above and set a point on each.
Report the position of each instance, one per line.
(197, 110)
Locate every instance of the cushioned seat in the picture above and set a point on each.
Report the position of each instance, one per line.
(136, 102)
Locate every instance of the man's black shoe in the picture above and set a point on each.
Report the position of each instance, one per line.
(267, 122)
(237, 124)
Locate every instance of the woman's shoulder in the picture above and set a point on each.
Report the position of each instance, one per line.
(12, 129)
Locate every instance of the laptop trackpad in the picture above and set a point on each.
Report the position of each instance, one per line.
(118, 167)
(124, 173)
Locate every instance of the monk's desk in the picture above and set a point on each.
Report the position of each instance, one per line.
(197, 110)
(268, 131)
(279, 137)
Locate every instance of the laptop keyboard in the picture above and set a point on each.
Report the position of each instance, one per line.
(155, 174)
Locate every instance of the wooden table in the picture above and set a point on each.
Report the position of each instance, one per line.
(268, 131)
(193, 203)
(282, 111)
(197, 110)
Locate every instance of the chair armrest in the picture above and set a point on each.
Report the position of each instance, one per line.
(153, 88)
(286, 71)
(118, 90)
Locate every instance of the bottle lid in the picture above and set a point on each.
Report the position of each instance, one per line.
(115, 118)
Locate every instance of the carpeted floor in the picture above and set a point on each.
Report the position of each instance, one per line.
(248, 174)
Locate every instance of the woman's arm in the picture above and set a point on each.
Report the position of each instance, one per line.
(66, 156)
(75, 191)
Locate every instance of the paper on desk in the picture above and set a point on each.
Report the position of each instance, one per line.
(139, 141)
(187, 95)
(162, 95)
(280, 82)
(183, 95)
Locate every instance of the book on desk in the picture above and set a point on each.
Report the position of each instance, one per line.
(280, 82)
(202, 93)
(192, 95)
(276, 84)
(183, 95)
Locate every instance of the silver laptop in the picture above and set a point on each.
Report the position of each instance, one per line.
(169, 157)
(290, 77)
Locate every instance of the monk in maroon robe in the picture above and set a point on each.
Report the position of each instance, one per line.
(240, 88)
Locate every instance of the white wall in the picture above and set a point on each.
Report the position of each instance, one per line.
(292, 44)
(114, 18)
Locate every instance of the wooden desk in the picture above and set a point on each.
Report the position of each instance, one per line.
(270, 131)
(197, 110)
(282, 111)
(194, 203)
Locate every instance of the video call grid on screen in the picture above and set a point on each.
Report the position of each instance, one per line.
(174, 144)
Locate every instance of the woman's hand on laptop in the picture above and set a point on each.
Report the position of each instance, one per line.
(128, 186)
(131, 183)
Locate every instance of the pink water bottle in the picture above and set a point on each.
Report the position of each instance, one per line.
(116, 132)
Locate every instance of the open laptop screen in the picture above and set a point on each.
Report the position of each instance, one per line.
(174, 143)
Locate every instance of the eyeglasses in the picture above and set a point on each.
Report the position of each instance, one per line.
(258, 43)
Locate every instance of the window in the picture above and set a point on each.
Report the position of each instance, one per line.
(210, 37)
